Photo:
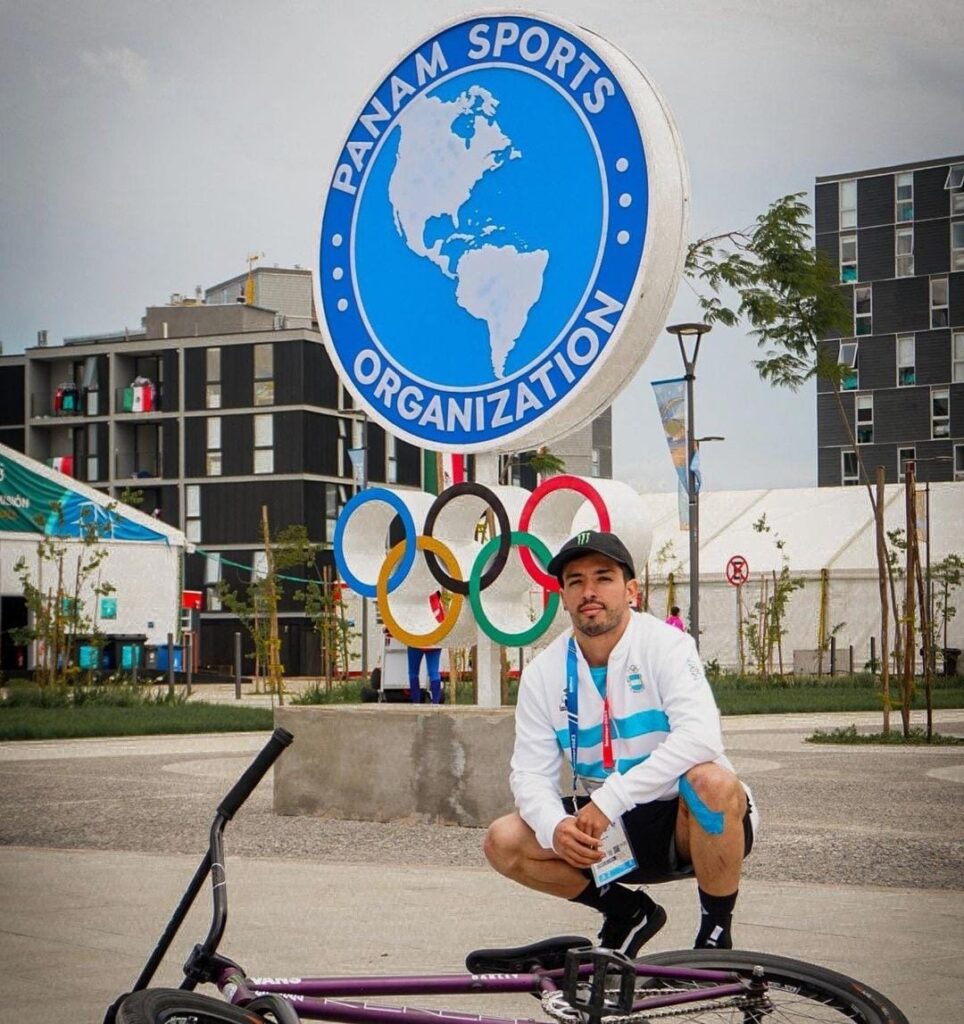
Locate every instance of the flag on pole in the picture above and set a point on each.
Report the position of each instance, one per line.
(671, 402)
(442, 470)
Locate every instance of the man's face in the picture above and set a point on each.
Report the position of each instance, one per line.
(596, 594)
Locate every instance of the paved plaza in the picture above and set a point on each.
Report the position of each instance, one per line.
(858, 866)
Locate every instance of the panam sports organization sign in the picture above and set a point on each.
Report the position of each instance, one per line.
(502, 235)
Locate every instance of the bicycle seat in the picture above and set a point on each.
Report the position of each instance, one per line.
(546, 955)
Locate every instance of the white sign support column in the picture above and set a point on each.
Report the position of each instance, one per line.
(488, 658)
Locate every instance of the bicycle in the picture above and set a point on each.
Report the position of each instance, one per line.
(575, 982)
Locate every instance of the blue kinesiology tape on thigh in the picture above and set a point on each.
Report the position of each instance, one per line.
(710, 821)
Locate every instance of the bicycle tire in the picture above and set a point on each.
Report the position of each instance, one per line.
(801, 991)
(160, 1005)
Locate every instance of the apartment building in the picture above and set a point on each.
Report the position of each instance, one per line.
(896, 236)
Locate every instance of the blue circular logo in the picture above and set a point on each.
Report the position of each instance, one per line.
(483, 232)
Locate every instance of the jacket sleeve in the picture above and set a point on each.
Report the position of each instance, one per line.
(536, 759)
(694, 733)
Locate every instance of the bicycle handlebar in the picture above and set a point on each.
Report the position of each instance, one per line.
(254, 773)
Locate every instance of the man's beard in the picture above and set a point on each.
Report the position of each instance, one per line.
(598, 625)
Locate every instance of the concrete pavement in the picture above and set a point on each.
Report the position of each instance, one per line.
(76, 924)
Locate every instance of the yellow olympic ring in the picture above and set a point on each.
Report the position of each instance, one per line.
(437, 635)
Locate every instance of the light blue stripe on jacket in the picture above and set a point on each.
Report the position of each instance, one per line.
(639, 724)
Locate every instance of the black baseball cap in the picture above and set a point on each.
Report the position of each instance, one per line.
(591, 542)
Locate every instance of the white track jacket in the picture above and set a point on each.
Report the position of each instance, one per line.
(664, 721)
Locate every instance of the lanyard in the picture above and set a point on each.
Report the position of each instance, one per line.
(572, 713)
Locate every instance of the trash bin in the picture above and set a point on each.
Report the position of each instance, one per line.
(951, 654)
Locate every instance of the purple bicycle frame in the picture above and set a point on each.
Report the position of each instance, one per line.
(320, 998)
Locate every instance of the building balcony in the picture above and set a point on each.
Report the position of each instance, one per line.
(142, 399)
(137, 465)
(64, 402)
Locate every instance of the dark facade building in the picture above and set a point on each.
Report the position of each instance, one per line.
(896, 235)
(219, 405)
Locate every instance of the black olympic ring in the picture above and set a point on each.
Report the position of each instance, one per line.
(505, 536)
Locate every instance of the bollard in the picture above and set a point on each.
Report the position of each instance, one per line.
(873, 655)
(851, 659)
(833, 656)
(237, 666)
(189, 659)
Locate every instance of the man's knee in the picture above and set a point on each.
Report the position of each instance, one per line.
(503, 843)
(717, 788)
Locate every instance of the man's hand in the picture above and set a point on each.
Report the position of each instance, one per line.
(575, 846)
(592, 821)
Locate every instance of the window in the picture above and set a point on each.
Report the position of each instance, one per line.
(212, 577)
(212, 378)
(957, 357)
(192, 501)
(192, 513)
(905, 252)
(959, 462)
(264, 374)
(213, 467)
(906, 360)
(848, 468)
(904, 197)
(863, 317)
(391, 455)
(848, 358)
(904, 455)
(594, 465)
(957, 245)
(939, 315)
(865, 419)
(93, 462)
(955, 185)
(848, 258)
(940, 412)
(264, 443)
(848, 203)
(259, 565)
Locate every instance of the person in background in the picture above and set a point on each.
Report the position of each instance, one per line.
(673, 619)
(432, 657)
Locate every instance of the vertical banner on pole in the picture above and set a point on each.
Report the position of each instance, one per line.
(671, 402)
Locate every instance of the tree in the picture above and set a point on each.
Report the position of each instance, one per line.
(766, 630)
(61, 612)
(791, 298)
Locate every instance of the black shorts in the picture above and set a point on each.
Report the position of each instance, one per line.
(651, 831)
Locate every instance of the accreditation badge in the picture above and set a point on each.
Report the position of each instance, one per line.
(618, 858)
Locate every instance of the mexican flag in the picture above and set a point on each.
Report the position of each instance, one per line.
(442, 470)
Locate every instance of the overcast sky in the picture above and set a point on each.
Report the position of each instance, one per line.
(147, 147)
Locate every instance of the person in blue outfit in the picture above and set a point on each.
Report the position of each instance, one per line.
(432, 657)
(624, 698)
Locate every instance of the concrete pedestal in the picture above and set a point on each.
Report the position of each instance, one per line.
(383, 762)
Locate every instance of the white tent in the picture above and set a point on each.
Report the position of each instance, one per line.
(144, 556)
(828, 540)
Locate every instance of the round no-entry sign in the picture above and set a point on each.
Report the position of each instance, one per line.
(737, 571)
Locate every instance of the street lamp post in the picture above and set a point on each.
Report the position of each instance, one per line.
(695, 332)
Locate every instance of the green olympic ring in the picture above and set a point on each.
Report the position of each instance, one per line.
(520, 539)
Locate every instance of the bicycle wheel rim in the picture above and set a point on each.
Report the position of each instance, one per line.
(799, 991)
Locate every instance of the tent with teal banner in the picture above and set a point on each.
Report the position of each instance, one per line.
(34, 499)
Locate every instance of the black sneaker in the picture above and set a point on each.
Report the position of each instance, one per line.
(628, 935)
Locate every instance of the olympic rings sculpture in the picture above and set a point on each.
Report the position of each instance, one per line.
(522, 602)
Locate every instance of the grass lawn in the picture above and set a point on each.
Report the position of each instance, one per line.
(38, 723)
(30, 714)
(750, 696)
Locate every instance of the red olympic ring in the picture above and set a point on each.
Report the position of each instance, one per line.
(557, 483)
